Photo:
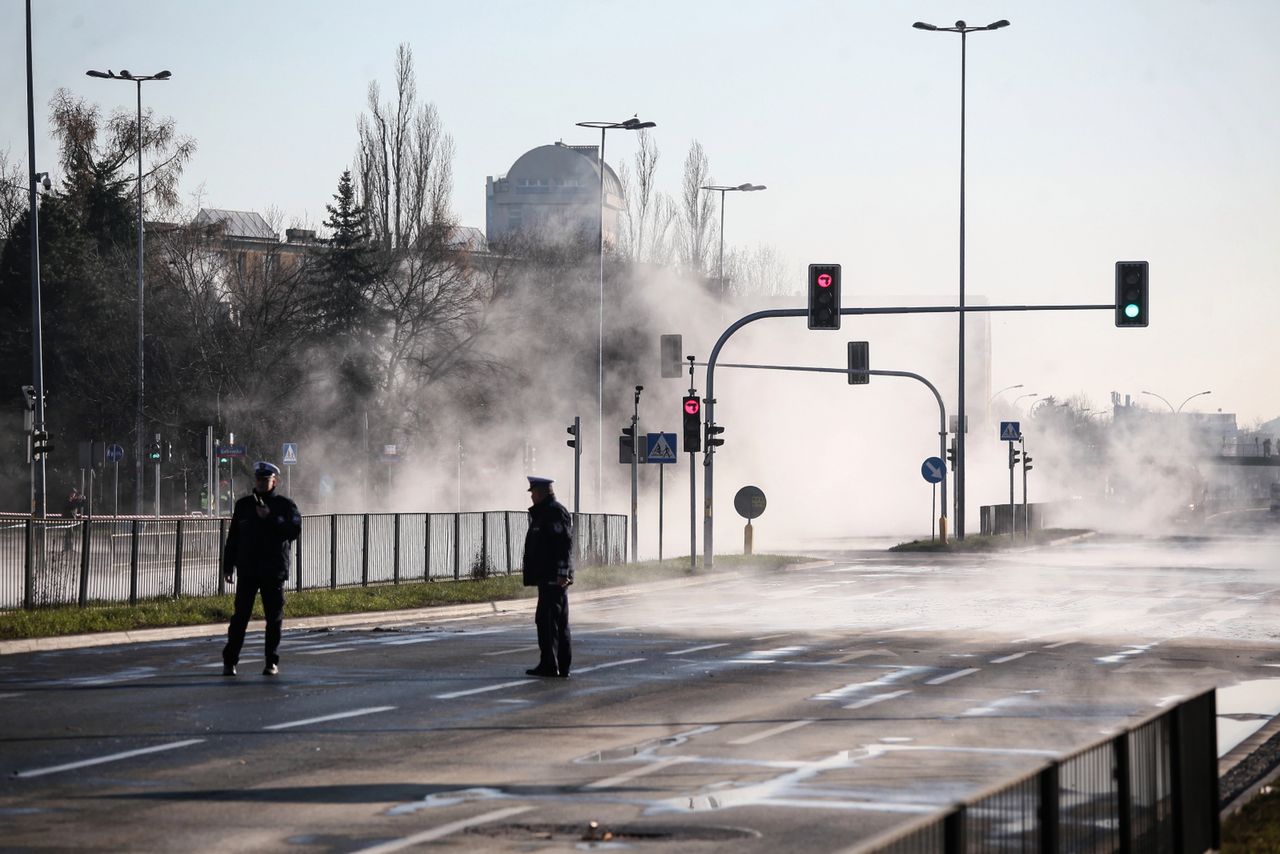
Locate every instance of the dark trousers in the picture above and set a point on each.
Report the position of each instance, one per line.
(273, 608)
(552, 620)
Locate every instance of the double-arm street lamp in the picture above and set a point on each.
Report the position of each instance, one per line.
(139, 424)
(963, 29)
(741, 188)
(632, 123)
(1180, 405)
(991, 399)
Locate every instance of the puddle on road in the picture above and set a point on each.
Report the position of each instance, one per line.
(1257, 697)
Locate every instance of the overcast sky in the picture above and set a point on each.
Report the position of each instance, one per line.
(1097, 132)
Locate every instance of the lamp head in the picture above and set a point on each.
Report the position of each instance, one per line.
(960, 25)
(126, 75)
(103, 74)
(165, 75)
(998, 25)
(921, 25)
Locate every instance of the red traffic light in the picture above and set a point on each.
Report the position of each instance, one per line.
(692, 406)
(824, 280)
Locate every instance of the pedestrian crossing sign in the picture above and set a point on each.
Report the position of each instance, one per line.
(289, 454)
(1010, 431)
(662, 447)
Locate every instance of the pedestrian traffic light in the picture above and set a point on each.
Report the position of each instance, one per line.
(40, 446)
(1131, 293)
(153, 455)
(692, 414)
(824, 296)
(166, 452)
(713, 435)
(573, 431)
(859, 362)
(626, 445)
(1026, 463)
(951, 455)
(1014, 456)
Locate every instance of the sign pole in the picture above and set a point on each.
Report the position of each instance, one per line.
(115, 491)
(1013, 519)
(933, 504)
(662, 468)
(1026, 519)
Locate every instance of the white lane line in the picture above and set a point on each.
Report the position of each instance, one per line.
(749, 661)
(1007, 658)
(7, 696)
(705, 646)
(410, 640)
(607, 664)
(878, 698)
(54, 769)
(770, 637)
(467, 693)
(951, 676)
(1059, 644)
(442, 831)
(326, 651)
(511, 651)
(634, 773)
(778, 730)
(355, 713)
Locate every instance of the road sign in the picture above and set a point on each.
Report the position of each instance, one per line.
(1010, 431)
(662, 447)
(115, 453)
(390, 454)
(933, 470)
(289, 454)
(749, 502)
(231, 450)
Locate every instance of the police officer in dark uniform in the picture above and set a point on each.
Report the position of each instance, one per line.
(548, 565)
(260, 539)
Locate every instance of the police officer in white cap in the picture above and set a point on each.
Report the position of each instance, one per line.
(548, 565)
(259, 547)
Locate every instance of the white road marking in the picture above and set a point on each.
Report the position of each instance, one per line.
(7, 696)
(634, 773)
(1059, 644)
(498, 687)
(410, 640)
(442, 831)
(950, 676)
(1007, 658)
(336, 717)
(511, 651)
(778, 730)
(770, 637)
(705, 646)
(607, 664)
(326, 651)
(54, 769)
(876, 699)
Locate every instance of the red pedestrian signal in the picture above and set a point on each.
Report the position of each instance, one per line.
(692, 425)
(824, 296)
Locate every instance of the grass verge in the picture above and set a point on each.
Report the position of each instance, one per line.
(191, 611)
(1256, 828)
(988, 542)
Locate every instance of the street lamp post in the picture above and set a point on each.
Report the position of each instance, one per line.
(1021, 396)
(38, 507)
(139, 422)
(741, 188)
(1180, 405)
(964, 30)
(632, 123)
(991, 399)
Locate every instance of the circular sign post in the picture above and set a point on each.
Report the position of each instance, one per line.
(750, 504)
(933, 470)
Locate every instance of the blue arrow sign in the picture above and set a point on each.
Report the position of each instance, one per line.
(1010, 431)
(115, 453)
(662, 447)
(933, 470)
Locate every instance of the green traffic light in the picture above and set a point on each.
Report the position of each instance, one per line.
(1131, 310)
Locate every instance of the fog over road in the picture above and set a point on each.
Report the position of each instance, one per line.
(804, 710)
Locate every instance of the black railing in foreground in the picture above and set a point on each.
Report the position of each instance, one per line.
(1152, 788)
(109, 559)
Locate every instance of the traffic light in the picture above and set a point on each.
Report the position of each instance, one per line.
(40, 446)
(951, 455)
(692, 424)
(166, 452)
(824, 296)
(859, 362)
(1131, 293)
(626, 445)
(153, 455)
(1014, 456)
(1026, 463)
(573, 431)
(713, 435)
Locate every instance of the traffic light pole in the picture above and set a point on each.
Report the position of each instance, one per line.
(159, 455)
(1013, 517)
(635, 475)
(1026, 519)
(708, 462)
(693, 490)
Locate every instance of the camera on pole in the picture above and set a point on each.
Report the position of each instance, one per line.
(1131, 293)
(824, 296)
(692, 415)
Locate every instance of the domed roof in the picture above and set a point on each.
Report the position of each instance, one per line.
(578, 164)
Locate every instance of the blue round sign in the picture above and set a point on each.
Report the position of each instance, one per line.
(115, 453)
(933, 470)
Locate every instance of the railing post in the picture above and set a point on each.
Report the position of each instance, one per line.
(222, 545)
(86, 546)
(133, 562)
(395, 552)
(177, 560)
(953, 831)
(484, 543)
(1193, 747)
(1049, 804)
(297, 561)
(511, 547)
(1124, 791)
(333, 551)
(426, 547)
(364, 553)
(457, 546)
(28, 566)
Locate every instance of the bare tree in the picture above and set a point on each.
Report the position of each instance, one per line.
(649, 213)
(14, 192)
(697, 229)
(758, 271)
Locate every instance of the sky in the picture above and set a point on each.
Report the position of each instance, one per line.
(1097, 131)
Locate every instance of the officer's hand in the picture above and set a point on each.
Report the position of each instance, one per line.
(563, 582)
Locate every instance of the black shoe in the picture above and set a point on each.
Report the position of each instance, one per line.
(563, 674)
(228, 669)
(539, 671)
(271, 670)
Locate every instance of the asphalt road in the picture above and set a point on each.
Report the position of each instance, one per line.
(802, 711)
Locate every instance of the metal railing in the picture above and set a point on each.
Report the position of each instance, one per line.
(1152, 788)
(112, 559)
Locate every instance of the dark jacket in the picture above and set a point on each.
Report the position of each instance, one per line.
(548, 546)
(262, 549)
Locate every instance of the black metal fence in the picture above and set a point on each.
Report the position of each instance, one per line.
(1153, 788)
(126, 559)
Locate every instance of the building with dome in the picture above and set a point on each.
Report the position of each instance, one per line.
(553, 192)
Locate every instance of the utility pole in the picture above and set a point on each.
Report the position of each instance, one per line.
(635, 474)
(693, 487)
